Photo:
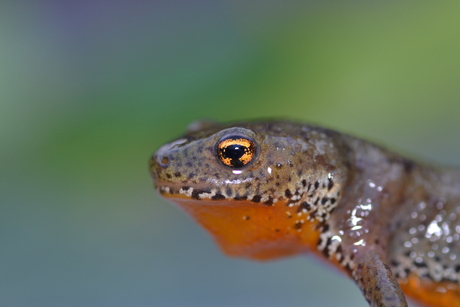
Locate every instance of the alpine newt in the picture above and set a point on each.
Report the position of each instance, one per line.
(268, 189)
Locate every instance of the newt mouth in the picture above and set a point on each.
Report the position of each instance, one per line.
(189, 192)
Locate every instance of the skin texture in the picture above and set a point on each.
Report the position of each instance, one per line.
(276, 188)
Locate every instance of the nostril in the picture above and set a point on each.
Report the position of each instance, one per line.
(164, 161)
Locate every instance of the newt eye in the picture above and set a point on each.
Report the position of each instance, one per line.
(236, 151)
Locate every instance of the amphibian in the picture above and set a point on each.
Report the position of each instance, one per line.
(268, 189)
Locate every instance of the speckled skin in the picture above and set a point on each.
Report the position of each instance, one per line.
(386, 221)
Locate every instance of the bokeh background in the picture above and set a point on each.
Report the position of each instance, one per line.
(89, 90)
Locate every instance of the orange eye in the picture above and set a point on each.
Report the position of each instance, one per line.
(236, 152)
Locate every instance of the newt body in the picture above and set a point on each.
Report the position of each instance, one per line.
(275, 188)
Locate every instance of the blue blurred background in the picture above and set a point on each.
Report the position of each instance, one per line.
(90, 89)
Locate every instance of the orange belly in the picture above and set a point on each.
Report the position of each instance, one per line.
(245, 229)
(439, 294)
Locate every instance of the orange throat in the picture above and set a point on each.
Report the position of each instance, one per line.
(252, 230)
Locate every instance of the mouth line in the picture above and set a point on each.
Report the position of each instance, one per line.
(190, 192)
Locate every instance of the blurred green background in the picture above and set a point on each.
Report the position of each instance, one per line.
(90, 89)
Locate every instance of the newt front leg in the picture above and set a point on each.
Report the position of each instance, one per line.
(377, 282)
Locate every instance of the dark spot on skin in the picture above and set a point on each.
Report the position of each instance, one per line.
(420, 265)
(177, 174)
(246, 217)
(316, 185)
(408, 166)
(298, 225)
(279, 165)
(196, 194)
(330, 184)
(299, 173)
(289, 179)
(333, 201)
(326, 228)
(305, 206)
(256, 198)
(304, 183)
(248, 185)
(218, 197)
(191, 175)
(339, 251)
(377, 241)
(288, 193)
(229, 192)
(326, 249)
(168, 176)
(324, 185)
(309, 186)
(277, 184)
(324, 200)
(240, 198)
(394, 262)
(316, 201)
(269, 202)
(320, 241)
(188, 164)
(277, 230)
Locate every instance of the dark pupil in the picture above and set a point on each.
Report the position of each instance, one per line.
(234, 152)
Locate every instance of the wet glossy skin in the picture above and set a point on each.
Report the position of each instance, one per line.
(276, 188)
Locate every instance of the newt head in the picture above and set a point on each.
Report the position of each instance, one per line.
(261, 189)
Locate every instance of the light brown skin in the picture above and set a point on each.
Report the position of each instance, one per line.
(274, 188)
